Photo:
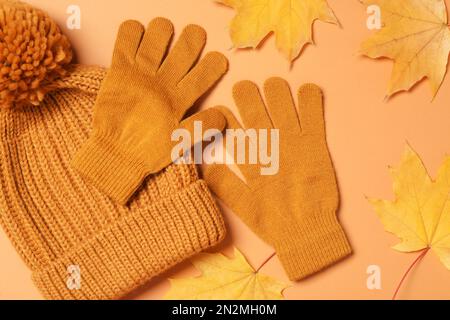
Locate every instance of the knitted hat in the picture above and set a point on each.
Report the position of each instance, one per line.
(77, 242)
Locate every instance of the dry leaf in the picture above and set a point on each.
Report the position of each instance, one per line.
(290, 20)
(416, 35)
(420, 214)
(225, 279)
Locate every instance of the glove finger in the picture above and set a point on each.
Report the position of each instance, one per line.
(251, 106)
(226, 185)
(311, 109)
(209, 119)
(234, 193)
(281, 106)
(154, 44)
(127, 43)
(200, 79)
(183, 55)
(239, 154)
(232, 121)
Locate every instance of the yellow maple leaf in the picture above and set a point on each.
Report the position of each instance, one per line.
(416, 35)
(225, 279)
(420, 214)
(290, 20)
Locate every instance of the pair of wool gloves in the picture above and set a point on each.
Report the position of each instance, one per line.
(145, 97)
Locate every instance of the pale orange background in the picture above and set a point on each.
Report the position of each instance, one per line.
(365, 135)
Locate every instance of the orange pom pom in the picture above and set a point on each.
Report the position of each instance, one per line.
(33, 54)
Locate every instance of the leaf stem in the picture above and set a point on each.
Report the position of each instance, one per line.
(265, 262)
(420, 257)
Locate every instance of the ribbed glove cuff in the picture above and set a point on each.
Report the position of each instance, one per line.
(115, 171)
(136, 247)
(312, 246)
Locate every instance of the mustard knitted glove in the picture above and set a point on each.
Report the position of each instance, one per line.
(294, 210)
(143, 99)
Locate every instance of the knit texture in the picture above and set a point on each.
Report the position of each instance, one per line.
(143, 100)
(56, 220)
(294, 210)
